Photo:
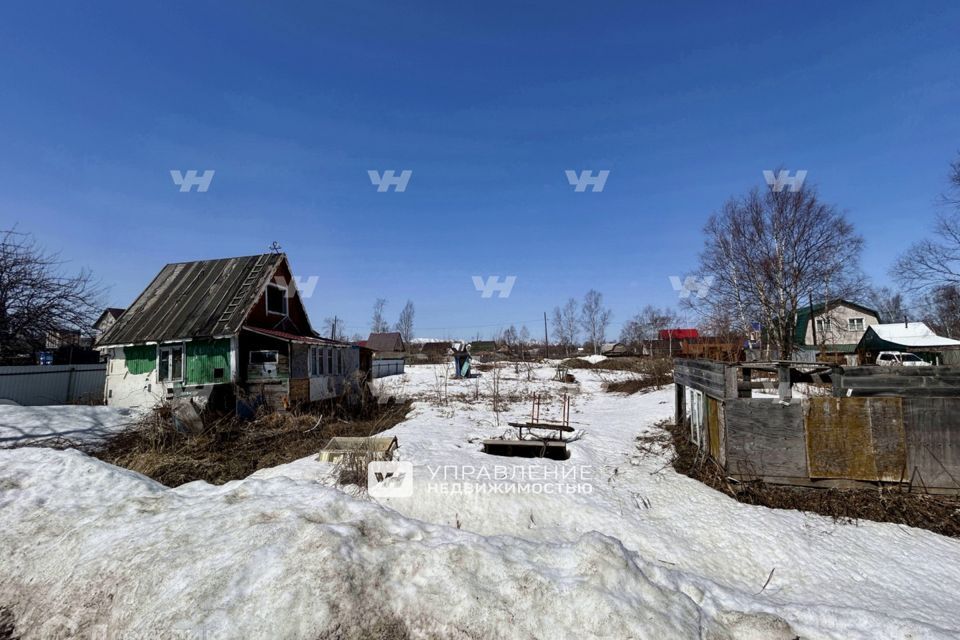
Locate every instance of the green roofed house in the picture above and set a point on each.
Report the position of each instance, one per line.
(831, 330)
(224, 331)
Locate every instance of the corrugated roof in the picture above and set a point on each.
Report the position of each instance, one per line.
(204, 298)
(293, 337)
(913, 335)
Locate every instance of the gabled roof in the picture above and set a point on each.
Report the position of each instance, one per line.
(385, 342)
(803, 315)
(913, 335)
(204, 298)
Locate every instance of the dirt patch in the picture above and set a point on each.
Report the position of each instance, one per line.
(940, 514)
(231, 449)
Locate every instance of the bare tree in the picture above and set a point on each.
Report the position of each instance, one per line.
(888, 304)
(935, 262)
(379, 324)
(405, 323)
(37, 297)
(940, 310)
(766, 252)
(646, 325)
(566, 324)
(333, 328)
(595, 318)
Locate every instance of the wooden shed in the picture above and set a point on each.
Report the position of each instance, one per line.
(854, 426)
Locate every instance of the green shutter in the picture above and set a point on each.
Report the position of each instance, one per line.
(205, 358)
(141, 358)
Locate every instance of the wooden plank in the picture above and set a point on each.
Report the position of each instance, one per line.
(763, 437)
(855, 438)
(713, 427)
(932, 428)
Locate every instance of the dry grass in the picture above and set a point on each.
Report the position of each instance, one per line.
(940, 514)
(230, 449)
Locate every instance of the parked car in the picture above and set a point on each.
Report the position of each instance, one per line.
(900, 359)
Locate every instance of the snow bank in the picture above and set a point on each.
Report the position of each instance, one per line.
(95, 551)
(640, 551)
(80, 423)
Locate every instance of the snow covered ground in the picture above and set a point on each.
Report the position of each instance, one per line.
(79, 423)
(611, 543)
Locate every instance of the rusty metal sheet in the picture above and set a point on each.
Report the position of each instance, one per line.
(855, 438)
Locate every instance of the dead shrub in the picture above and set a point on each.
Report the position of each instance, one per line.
(936, 513)
(229, 448)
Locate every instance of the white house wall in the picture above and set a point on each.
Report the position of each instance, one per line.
(129, 390)
(838, 332)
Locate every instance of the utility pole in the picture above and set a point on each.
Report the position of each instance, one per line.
(546, 340)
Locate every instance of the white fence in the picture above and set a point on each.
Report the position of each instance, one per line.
(58, 384)
(384, 368)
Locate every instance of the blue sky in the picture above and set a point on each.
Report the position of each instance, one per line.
(291, 104)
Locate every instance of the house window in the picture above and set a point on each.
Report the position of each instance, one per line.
(276, 299)
(330, 361)
(855, 324)
(314, 365)
(171, 364)
(339, 362)
(823, 324)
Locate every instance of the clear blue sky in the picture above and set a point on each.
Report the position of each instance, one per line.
(684, 103)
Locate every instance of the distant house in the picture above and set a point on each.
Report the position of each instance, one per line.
(913, 337)
(224, 331)
(434, 351)
(678, 334)
(483, 346)
(833, 329)
(614, 349)
(106, 320)
(389, 353)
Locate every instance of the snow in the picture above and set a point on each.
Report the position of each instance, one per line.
(79, 423)
(914, 334)
(611, 543)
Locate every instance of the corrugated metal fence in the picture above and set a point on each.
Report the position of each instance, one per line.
(59, 384)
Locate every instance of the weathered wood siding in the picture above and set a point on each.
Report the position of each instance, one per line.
(855, 438)
(764, 439)
(713, 378)
(932, 427)
(897, 381)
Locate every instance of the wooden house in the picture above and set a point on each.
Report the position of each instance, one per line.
(389, 353)
(224, 331)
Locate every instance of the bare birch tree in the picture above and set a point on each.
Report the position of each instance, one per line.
(565, 324)
(379, 323)
(594, 318)
(767, 252)
(405, 323)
